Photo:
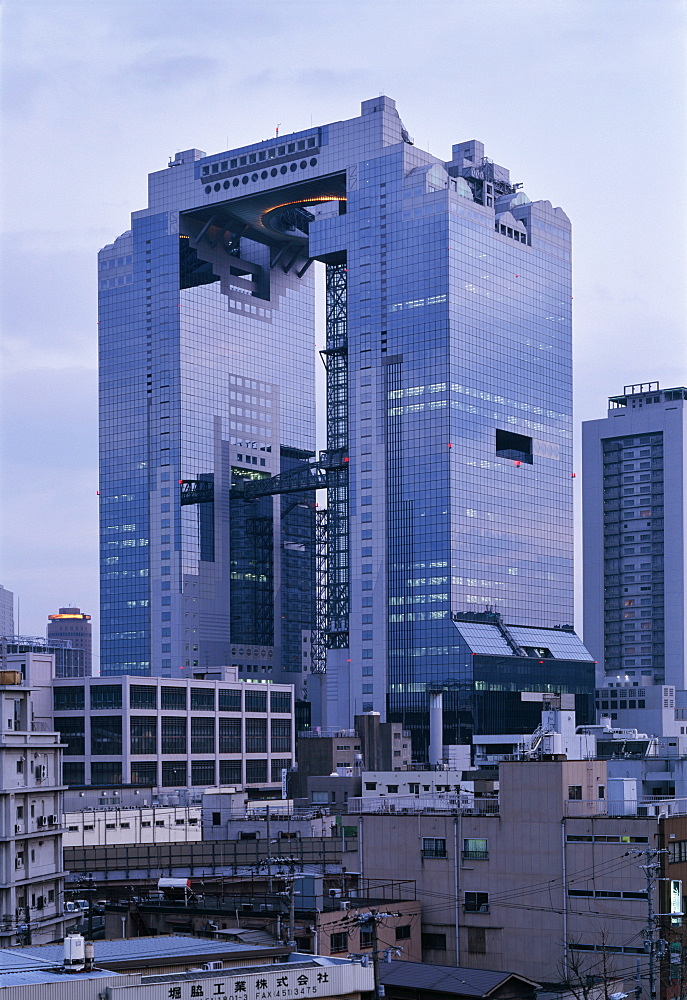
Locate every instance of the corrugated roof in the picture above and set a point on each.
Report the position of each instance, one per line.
(19, 959)
(249, 970)
(35, 977)
(445, 978)
(150, 949)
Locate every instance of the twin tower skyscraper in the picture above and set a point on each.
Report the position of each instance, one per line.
(449, 416)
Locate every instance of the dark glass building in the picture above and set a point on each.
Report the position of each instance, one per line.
(495, 667)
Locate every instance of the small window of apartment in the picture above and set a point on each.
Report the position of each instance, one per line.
(433, 847)
(339, 942)
(403, 932)
(476, 902)
(367, 936)
(475, 849)
(434, 942)
(575, 792)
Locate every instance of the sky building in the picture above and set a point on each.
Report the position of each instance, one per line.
(448, 459)
(75, 626)
(635, 545)
(6, 611)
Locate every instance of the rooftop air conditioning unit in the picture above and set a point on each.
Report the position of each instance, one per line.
(335, 893)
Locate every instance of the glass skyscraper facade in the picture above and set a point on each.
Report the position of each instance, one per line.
(449, 405)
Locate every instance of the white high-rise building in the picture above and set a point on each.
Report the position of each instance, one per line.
(635, 545)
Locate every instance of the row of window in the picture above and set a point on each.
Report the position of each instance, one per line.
(107, 737)
(108, 696)
(273, 152)
(339, 941)
(263, 175)
(125, 825)
(174, 774)
(474, 848)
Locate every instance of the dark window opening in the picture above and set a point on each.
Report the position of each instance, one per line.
(435, 942)
(517, 447)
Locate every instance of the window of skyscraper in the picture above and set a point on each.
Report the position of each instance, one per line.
(106, 736)
(173, 698)
(143, 696)
(230, 700)
(72, 730)
(202, 699)
(256, 701)
(143, 734)
(280, 701)
(256, 772)
(106, 696)
(173, 735)
(230, 772)
(144, 773)
(68, 698)
(173, 775)
(106, 772)
(281, 735)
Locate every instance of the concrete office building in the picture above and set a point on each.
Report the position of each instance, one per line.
(448, 456)
(539, 879)
(73, 625)
(175, 734)
(635, 549)
(6, 612)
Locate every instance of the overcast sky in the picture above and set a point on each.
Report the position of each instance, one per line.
(583, 100)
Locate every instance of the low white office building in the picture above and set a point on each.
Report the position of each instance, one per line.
(172, 734)
(144, 825)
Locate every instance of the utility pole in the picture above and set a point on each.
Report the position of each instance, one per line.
(652, 867)
(290, 880)
(368, 922)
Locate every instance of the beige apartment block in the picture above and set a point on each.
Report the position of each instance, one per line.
(540, 880)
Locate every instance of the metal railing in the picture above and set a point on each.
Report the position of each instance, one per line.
(644, 806)
(414, 804)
